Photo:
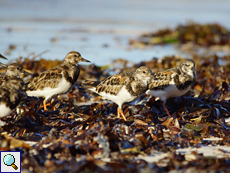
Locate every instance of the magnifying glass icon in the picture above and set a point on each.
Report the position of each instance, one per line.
(9, 160)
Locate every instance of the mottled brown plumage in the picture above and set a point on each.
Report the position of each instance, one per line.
(58, 80)
(14, 88)
(12, 70)
(173, 82)
(11, 89)
(121, 88)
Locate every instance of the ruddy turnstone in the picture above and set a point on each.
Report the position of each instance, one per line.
(12, 70)
(58, 80)
(11, 88)
(123, 87)
(10, 95)
(173, 82)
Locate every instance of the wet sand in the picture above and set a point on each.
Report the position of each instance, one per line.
(99, 30)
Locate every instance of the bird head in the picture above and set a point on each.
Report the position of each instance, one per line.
(74, 57)
(188, 66)
(143, 73)
(15, 70)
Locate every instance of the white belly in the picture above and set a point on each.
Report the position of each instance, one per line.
(122, 97)
(168, 92)
(4, 111)
(48, 92)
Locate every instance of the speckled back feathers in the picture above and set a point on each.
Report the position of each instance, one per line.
(135, 82)
(182, 77)
(68, 69)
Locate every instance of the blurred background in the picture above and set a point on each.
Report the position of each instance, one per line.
(100, 30)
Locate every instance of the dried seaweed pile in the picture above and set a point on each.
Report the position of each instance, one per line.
(84, 135)
(198, 34)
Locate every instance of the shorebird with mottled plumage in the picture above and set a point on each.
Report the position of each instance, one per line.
(122, 88)
(173, 82)
(58, 80)
(11, 88)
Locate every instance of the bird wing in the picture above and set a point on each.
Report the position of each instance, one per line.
(112, 84)
(49, 78)
(160, 80)
(4, 94)
(90, 84)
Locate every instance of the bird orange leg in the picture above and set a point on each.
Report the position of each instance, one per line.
(166, 110)
(123, 115)
(44, 104)
(52, 101)
(118, 112)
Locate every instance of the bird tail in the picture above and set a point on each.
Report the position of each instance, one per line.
(89, 84)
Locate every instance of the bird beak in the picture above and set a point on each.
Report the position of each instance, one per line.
(1, 56)
(84, 60)
(25, 73)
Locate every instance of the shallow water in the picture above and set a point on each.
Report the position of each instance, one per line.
(99, 30)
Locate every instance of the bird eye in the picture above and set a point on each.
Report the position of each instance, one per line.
(18, 68)
(143, 71)
(75, 55)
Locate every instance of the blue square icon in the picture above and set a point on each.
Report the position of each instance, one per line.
(10, 161)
